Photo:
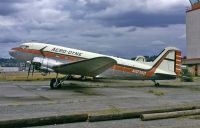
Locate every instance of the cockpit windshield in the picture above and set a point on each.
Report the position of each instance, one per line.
(24, 46)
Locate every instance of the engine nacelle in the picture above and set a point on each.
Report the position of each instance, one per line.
(45, 64)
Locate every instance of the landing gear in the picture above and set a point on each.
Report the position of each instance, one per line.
(94, 78)
(55, 83)
(83, 78)
(156, 83)
(68, 77)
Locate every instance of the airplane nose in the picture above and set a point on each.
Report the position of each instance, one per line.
(12, 52)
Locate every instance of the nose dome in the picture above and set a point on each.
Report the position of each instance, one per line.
(12, 52)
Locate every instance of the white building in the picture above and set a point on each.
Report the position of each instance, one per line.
(193, 37)
(9, 69)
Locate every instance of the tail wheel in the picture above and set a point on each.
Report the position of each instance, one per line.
(83, 78)
(55, 83)
(157, 84)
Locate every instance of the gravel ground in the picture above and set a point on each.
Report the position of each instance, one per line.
(27, 99)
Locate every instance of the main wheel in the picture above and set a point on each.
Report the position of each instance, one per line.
(55, 83)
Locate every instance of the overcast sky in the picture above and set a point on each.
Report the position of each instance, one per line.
(124, 28)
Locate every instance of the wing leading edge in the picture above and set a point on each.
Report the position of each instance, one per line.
(89, 67)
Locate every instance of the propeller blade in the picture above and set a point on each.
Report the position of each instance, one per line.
(29, 70)
(25, 66)
(33, 70)
(41, 51)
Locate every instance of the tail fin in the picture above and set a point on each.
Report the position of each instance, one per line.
(169, 60)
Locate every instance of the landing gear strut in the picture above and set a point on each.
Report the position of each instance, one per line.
(56, 83)
(83, 78)
(156, 83)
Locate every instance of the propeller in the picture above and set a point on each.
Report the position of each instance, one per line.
(31, 65)
(29, 70)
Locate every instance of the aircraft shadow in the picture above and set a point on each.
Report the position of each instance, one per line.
(85, 90)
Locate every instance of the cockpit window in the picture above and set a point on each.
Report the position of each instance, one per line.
(24, 46)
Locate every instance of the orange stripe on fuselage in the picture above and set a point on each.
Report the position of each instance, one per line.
(122, 68)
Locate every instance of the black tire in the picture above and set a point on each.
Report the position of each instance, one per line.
(55, 84)
(94, 78)
(157, 84)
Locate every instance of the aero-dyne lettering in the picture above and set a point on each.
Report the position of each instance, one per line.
(62, 51)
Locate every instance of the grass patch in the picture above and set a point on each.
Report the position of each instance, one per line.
(196, 117)
(22, 76)
(157, 92)
(186, 75)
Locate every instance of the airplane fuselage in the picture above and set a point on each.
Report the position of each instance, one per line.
(124, 69)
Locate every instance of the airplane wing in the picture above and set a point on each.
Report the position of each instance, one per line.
(89, 67)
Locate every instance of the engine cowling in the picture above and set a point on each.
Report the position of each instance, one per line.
(44, 64)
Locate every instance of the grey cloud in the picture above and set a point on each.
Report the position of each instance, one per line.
(117, 34)
(8, 7)
(103, 34)
(9, 40)
(79, 12)
(13, 1)
(108, 14)
(97, 6)
(142, 19)
(93, 35)
(158, 42)
(74, 24)
(132, 29)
